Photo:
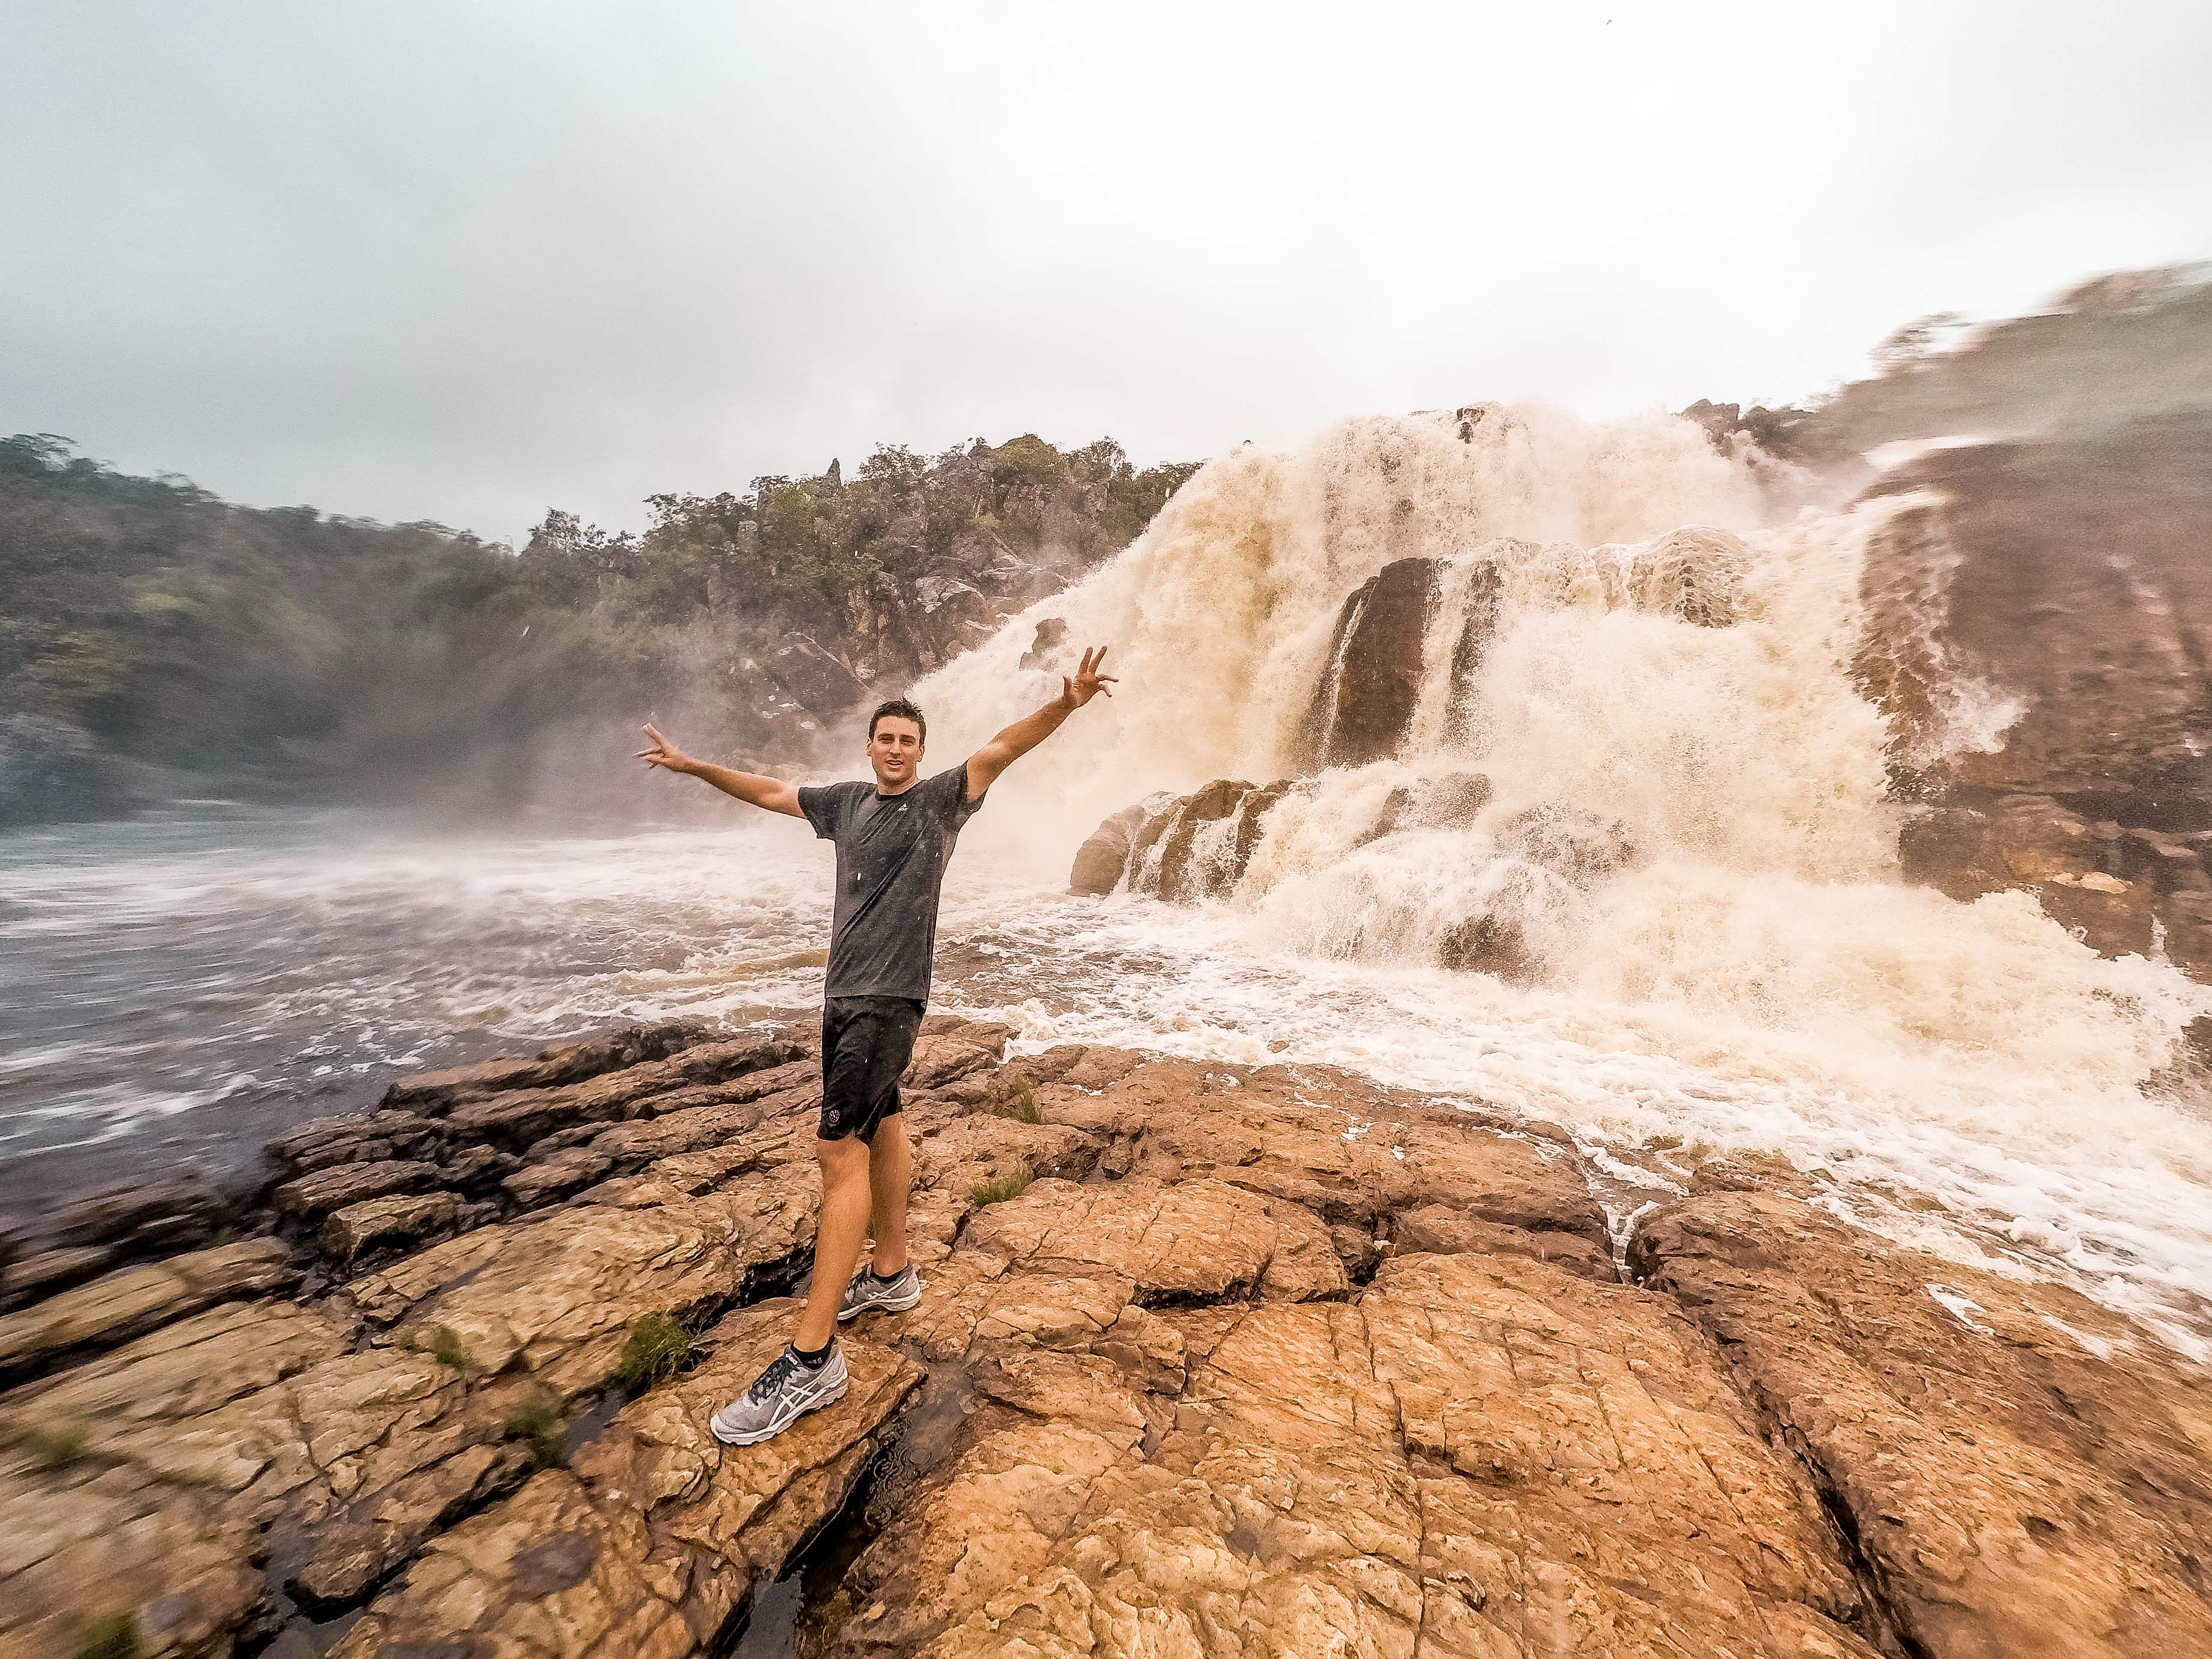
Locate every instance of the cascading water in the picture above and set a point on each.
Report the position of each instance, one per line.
(1678, 916)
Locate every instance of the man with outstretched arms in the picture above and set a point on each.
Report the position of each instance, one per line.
(893, 837)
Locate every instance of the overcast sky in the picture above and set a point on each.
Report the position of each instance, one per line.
(463, 261)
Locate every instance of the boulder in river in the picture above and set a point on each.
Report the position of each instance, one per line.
(1189, 846)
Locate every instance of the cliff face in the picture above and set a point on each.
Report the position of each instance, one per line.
(2039, 635)
(1259, 1359)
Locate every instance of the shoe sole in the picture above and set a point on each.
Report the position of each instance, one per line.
(781, 1422)
(888, 1304)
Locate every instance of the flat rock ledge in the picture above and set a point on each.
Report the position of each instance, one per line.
(1212, 1360)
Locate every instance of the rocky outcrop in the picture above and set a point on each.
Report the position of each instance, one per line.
(121, 1306)
(2022, 1471)
(1450, 802)
(1051, 635)
(1212, 1358)
(814, 678)
(1372, 679)
(1193, 847)
(1104, 858)
(2038, 634)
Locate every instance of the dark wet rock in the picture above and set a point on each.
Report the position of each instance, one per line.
(1451, 802)
(2069, 578)
(518, 1118)
(1478, 627)
(34, 1273)
(815, 679)
(1580, 847)
(377, 1137)
(1786, 433)
(382, 1223)
(2023, 1471)
(167, 1212)
(1372, 679)
(1051, 632)
(1489, 943)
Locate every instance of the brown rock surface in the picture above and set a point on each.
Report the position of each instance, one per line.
(655, 1535)
(2026, 1472)
(341, 1185)
(518, 1117)
(256, 1423)
(1477, 1458)
(381, 1223)
(121, 1306)
(1104, 858)
(1260, 1360)
(1192, 846)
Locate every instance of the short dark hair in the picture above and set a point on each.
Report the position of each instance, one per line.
(898, 709)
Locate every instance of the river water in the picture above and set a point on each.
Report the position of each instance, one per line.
(1756, 977)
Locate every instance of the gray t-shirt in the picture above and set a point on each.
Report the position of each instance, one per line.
(891, 853)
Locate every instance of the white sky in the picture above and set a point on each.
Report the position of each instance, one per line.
(463, 261)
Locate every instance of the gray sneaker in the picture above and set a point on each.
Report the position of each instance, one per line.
(866, 1293)
(779, 1396)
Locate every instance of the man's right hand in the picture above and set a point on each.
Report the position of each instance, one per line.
(664, 753)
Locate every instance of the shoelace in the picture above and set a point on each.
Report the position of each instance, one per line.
(779, 1372)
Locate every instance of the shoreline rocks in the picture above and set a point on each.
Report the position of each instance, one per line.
(1210, 1358)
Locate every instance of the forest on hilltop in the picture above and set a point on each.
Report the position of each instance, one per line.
(156, 639)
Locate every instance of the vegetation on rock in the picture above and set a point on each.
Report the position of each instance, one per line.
(115, 1637)
(58, 1448)
(540, 1421)
(657, 1349)
(1018, 1101)
(996, 1189)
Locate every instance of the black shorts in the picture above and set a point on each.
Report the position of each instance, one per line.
(865, 1044)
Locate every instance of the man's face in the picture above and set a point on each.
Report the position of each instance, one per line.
(894, 752)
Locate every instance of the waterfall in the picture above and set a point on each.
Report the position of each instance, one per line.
(1634, 660)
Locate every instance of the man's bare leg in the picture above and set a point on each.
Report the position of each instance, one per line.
(890, 1171)
(837, 1237)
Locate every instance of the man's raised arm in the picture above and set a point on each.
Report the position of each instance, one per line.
(774, 794)
(1026, 733)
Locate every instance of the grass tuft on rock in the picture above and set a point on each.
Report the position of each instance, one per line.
(442, 1343)
(657, 1349)
(1018, 1101)
(540, 1421)
(115, 1637)
(1011, 1184)
(58, 1448)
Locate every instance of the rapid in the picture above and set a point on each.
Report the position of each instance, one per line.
(1750, 975)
